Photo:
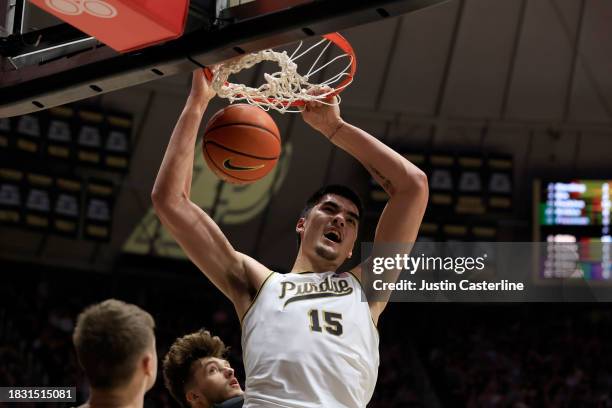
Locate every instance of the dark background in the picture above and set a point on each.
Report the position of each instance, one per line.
(527, 81)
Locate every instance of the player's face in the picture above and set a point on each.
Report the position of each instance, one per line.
(214, 381)
(330, 228)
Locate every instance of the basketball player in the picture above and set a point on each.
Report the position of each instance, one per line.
(308, 339)
(197, 375)
(115, 346)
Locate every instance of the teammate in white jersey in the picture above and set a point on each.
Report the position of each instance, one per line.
(308, 339)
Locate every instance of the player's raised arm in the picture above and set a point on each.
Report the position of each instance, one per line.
(235, 274)
(405, 183)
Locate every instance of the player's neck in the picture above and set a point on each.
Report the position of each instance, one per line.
(304, 263)
(128, 397)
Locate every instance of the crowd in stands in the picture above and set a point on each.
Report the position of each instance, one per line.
(441, 355)
(557, 355)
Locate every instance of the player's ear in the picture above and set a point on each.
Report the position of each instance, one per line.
(350, 255)
(191, 397)
(149, 367)
(148, 364)
(299, 227)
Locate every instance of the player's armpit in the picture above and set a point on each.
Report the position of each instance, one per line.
(398, 225)
(235, 274)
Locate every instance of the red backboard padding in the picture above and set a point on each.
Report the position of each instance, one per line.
(124, 25)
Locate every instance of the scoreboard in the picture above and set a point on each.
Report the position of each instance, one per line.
(573, 218)
(580, 208)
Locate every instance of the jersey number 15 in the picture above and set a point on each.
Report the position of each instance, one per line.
(332, 322)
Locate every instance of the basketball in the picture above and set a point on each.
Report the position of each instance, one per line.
(241, 143)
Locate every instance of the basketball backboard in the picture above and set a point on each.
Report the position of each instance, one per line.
(58, 64)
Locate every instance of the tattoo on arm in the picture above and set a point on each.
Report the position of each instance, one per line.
(382, 180)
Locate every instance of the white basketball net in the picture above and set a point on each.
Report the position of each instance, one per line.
(281, 88)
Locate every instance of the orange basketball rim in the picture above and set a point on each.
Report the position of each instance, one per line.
(287, 89)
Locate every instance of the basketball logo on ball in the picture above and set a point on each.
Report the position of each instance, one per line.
(228, 165)
(241, 143)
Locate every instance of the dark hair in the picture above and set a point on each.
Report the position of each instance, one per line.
(335, 189)
(109, 338)
(186, 350)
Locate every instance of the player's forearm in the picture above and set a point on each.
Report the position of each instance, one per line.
(391, 170)
(173, 182)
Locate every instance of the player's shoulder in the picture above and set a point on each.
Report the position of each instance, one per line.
(356, 273)
(256, 272)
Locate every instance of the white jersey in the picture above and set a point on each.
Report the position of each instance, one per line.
(308, 341)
